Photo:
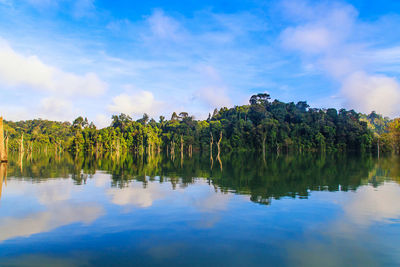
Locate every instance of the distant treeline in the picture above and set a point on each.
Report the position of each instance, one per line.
(262, 125)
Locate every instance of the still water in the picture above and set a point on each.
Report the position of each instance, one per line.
(289, 210)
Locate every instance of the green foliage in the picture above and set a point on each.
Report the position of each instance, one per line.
(274, 126)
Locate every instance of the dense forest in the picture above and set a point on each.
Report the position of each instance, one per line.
(262, 125)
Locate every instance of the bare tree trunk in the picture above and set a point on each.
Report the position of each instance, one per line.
(3, 155)
(264, 139)
(30, 147)
(55, 149)
(118, 146)
(172, 147)
(378, 148)
(6, 147)
(30, 156)
(218, 144)
(172, 150)
(181, 160)
(21, 149)
(220, 162)
(21, 161)
(211, 144)
(181, 146)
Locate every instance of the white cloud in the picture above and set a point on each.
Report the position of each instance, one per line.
(29, 71)
(214, 96)
(102, 121)
(44, 90)
(15, 113)
(42, 3)
(322, 31)
(136, 103)
(118, 26)
(76, 8)
(214, 93)
(5, 2)
(385, 59)
(310, 39)
(372, 92)
(54, 108)
(166, 50)
(58, 108)
(163, 26)
(83, 8)
(388, 55)
(325, 40)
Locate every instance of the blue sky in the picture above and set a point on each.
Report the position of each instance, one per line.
(61, 58)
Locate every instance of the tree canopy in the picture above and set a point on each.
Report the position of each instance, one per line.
(261, 125)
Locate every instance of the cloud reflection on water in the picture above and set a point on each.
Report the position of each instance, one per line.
(136, 195)
(371, 204)
(344, 239)
(330, 227)
(53, 208)
(45, 221)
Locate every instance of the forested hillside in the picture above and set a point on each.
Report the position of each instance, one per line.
(262, 125)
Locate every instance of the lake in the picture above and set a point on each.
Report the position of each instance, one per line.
(240, 210)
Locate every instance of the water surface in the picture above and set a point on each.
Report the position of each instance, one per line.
(287, 210)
